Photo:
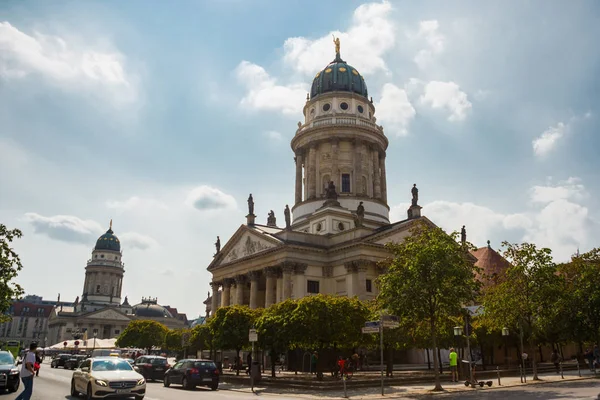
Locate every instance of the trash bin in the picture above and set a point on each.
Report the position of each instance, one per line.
(255, 371)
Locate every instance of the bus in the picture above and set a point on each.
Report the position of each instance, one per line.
(14, 346)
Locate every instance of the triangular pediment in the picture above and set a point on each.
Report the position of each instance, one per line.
(109, 314)
(397, 232)
(245, 242)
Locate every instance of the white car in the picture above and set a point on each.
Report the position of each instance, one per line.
(107, 377)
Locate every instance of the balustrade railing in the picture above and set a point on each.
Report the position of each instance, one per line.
(339, 121)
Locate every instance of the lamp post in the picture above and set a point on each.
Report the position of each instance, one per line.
(45, 341)
(457, 334)
(94, 347)
(505, 334)
(467, 332)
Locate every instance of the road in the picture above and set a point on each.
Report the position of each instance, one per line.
(53, 384)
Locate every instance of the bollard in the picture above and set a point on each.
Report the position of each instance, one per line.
(578, 369)
(498, 371)
(562, 376)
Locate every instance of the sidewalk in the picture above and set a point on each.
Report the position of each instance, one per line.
(413, 390)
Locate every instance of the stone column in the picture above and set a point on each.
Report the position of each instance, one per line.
(362, 279)
(352, 278)
(300, 281)
(253, 276)
(270, 289)
(240, 281)
(312, 172)
(357, 168)
(383, 178)
(335, 169)
(214, 304)
(288, 269)
(299, 177)
(279, 286)
(226, 292)
(376, 176)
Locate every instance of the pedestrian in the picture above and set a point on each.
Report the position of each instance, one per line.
(313, 362)
(453, 357)
(555, 358)
(589, 356)
(249, 362)
(27, 373)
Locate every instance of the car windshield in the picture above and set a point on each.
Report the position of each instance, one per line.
(6, 358)
(205, 364)
(158, 361)
(111, 365)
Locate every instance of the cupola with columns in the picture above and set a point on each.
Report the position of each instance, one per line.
(339, 142)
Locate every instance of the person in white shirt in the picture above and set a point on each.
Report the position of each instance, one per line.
(27, 373)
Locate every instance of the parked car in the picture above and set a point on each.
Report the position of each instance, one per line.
(60, 360)
(9, 373)
(191, 373)
(107, 377)
(151, 367)
(74, 361)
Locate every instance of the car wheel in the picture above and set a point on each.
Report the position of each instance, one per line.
(139, 398)
(74, 393)
(166, 382)
(89, 393)
(14, 387)
(185, 384)
(214, 387)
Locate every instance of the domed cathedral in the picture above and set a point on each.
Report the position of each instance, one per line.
(101, 312)
(340, 213)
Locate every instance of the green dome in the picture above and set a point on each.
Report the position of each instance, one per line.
(108, 241)
(338, 77)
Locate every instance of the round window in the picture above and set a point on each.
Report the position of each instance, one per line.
(319, 227)
(344, 106)
(341, 226)
(326, 107)
(360, 109)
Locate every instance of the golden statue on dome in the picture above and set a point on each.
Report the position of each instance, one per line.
(336, 42)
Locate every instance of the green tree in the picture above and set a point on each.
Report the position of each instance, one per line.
(201, 338)
(581, 296)
(10, 265)
(230, 327)
(429, 279)
(525, 295)
(276, 331)
(144, 334)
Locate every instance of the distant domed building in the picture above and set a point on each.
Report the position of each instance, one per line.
(101, 311)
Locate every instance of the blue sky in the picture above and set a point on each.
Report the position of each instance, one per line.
(164, 116)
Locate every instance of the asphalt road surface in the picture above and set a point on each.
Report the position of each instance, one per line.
(54, 384)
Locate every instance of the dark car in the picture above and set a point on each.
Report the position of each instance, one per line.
(192, 373)
(9, 373)
(60, 360)
(74, 361)
(151, 367)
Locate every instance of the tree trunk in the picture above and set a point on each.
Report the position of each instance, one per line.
(438, 385)
(532, 352)
(428, 360)
(273, 358)
(439, 352)
(237, 362)
(541, 353)
(482, 356)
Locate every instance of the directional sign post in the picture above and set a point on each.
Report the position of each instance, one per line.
(252, 336)
(385, 321)
(368, 329)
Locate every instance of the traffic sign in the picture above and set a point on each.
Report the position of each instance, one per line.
(253, 335)
(368, 329)
(372, 324)
(391, 324)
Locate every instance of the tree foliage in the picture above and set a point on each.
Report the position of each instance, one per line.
(144, 334)
(173, 339)
(10, 265)
(201, 337)
(525, 296)
(429, 279)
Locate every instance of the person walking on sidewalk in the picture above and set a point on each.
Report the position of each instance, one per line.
(27, 372)
(453, 357)
(555, 358)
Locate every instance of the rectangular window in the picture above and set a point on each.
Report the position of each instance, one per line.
(312, 286)
(117, 331)
(369, 286)
(345, 183)
(98, 289)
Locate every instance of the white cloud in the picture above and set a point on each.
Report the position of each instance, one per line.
(136, 203)
(370, 36)
(63, 64)
(556, 219)
(273, 136)
(263, 92)
(67, 228)
(132, 240)
(548, 139)
(448, 96)
(209, 198)
(395, 110)
(434, 43)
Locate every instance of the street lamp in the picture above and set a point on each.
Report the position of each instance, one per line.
(458, 331)
(94, 347)
(505, 334)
